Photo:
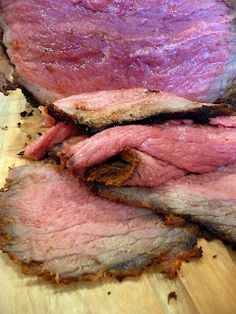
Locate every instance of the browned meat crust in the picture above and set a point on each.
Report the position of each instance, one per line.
(199, 115)
(116, 171)
(167, 265)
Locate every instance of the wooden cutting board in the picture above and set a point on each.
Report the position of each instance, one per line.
(204, 286)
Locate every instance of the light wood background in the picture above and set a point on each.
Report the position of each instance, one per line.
(205, 286)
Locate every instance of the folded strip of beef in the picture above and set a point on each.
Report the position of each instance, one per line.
(55, 227)
(99, 110)
(66, 48)
(132, 168)
(184, 146)
(208, 199)
(92, 112)
(55, 135)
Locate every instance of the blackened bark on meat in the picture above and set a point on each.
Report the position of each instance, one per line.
(200, 115)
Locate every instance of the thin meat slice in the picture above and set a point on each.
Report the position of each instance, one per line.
(63, 48)
(99, 110)
(55, 227)
(55, 135)
(192, 148)
(208, 199)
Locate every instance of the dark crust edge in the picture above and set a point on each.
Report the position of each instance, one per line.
(29, 97)
(167, 265)
(114, 171)
(210, 234)
(200, 116)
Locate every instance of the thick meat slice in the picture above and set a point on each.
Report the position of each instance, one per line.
(55, 135)
(62, 48)
(192, 148)
(99, 110)
(54, 226)
(208, 199)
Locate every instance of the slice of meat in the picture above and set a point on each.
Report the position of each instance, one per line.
(55, 227)
(65, 48)
(56, 134)
(192, 148)
(98, 110)
(208, 199)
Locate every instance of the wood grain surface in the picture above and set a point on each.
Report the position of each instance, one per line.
(205, 286)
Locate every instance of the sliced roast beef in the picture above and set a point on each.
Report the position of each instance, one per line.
(188, 147)
(55, 135)
(98, 110)
(56, 228)
(66, 48)
(208, 199)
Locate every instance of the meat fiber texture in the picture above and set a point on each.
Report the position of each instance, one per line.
(183, 145)
(62, 48)
(55, 135)
(179, 162)
(208, 199)
(92, 112)
(56, 228)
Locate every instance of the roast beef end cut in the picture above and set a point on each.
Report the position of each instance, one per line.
(56, 228)
(93, 112)
(208, 199)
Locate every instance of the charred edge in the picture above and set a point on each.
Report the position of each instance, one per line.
(199, 116)
(61, 116)
(29, 97)
(231, 100)
(168, 265)
(114, 171)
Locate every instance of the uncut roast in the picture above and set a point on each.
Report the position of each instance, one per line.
(62, 48)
